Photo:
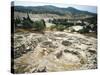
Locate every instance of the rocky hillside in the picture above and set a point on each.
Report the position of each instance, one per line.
(53, 51)
(51, 10)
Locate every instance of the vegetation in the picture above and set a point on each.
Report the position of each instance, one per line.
(89, 24)
(62, 22)
(93, 21)
(57, 27)
(84, 30)
(50, 9)
(52, 27)
(60, 27)
(39, 25)
(27, 23)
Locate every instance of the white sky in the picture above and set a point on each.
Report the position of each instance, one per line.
(80, 7)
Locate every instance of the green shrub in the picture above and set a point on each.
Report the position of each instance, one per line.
(57, 27)
(60, 27)
(27, 24)
(52, 27)
(39, 25)
(84, 30)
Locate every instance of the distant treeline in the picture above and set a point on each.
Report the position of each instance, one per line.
(91, 20)
(87, 23)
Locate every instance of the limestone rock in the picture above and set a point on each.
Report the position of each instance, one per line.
(54, 51)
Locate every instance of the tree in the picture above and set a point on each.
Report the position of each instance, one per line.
(28, 18)
(27, 22)
(16, 22)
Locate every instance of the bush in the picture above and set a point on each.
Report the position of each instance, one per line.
(27, 24)
(52, 27)
(39, 25)
(84, 30)
(57, 27)
(60, 27)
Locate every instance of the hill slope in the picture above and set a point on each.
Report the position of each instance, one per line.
(51, 9)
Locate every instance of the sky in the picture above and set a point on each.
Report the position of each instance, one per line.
(80, 7)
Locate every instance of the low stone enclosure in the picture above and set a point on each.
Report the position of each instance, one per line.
(53, 51)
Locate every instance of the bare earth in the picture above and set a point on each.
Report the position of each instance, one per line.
(54, 51)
